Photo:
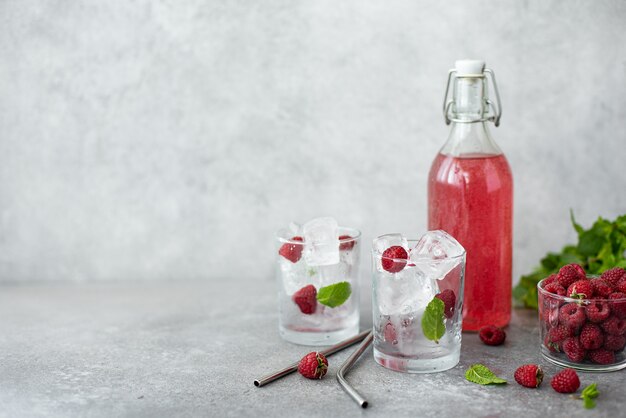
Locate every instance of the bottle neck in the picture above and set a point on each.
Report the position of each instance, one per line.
(469, 134)
(469, 99)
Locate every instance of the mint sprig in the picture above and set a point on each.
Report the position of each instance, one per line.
(433, 324)
(480, 374)
(588, 395)
(335, 294)
(599, 248)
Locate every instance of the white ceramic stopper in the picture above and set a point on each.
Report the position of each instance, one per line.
(469, 67)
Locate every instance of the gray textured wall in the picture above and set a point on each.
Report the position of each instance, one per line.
(169, 139)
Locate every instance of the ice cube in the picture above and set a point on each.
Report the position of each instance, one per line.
(389, 240)
(295, 275)
(407, 291)
(295, 229)
(321, 243)
(436, 254)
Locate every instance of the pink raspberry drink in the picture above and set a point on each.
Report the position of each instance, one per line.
(317, 277)
(417, 299)
(585, 327)
(470, 196)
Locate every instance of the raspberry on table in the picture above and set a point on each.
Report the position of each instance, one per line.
(572, 315)
(613, 276)
(565, 381)
(574, 350)
(614, 342)
(614, 326)
(306, 299)
(348, 245)
(492, 335)
(449, 300)
(618, 304)
(581, 289)
(591, 336)
(601, 288)
(602, 356)
(597, 311)
(569, 274)
(313, 366)
(291, 251)
(394, 259)
(529, 375)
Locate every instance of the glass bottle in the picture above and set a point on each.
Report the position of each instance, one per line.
(470, 195)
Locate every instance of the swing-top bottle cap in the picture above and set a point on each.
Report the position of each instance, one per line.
(469, 67)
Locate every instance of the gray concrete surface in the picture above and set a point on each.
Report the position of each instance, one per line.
(147, 139)
(194, 348)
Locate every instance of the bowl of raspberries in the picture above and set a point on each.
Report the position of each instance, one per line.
(583, 318)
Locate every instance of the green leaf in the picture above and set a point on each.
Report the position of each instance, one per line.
(590, 391)
(335, 294)
(590, 242)
(599, 248)
(576, 226)
(589, 403)
(433, 320)
(483, 376)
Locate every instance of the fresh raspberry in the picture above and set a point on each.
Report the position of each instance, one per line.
(613, 276)
(572, 315)
(554, 347)
(591, 337)
(581, 289)
(555, 288)
(621, 286)
(566, 381)
(390, 333)
(550, 279)
(449, 300)
(601, 288)
(313, 366)
(394, 258)
(597, 311)
(614, 326)
(529, 375)
(569, 274)
(618, 306)
(292, 252)
(492, 335)
(574, 350)
(560, 333)
(348, 245)
(602, 356)
(306, 299)
(614, 342)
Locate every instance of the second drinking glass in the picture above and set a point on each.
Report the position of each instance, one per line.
(417, 299)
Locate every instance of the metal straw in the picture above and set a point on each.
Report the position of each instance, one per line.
(346, 366)
(294, 366)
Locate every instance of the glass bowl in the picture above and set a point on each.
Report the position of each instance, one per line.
(584, 334)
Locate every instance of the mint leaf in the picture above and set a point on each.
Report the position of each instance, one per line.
(590, 391)
(589, 403)
(599, 248)
(483, 376)
(579, 229)
(433, 324)
(589, 394)
(335, 294)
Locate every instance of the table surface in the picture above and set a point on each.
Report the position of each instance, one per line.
(194, 349)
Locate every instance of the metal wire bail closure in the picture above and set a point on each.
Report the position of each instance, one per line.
(496, 108)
